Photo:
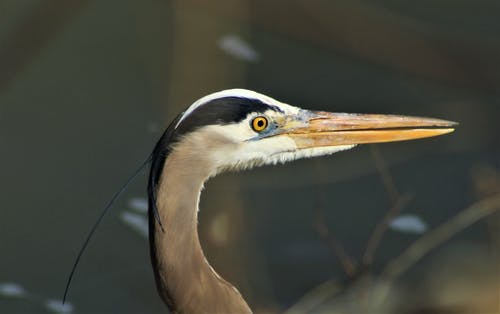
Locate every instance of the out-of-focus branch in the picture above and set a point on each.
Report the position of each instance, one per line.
(32, 35)
(347, 262)
(438, 236)
(408, 258)
(315, 297)
(486, 182)
(398, 202)
(384, 173)
(381, 228)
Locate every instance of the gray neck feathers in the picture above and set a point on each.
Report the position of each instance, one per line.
(186, 279)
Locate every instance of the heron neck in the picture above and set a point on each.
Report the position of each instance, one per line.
(185, 279)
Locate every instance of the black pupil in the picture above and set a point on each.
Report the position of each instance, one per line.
(260, 123)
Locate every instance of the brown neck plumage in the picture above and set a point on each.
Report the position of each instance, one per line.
(186, 282)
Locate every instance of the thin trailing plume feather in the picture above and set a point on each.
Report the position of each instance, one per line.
(157, 159)
(97, 223)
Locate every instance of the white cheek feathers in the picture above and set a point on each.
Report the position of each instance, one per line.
(251, 154)
(268, 151)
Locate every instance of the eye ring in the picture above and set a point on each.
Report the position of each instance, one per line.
(259, 123)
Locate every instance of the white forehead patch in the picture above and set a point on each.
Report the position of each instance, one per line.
(237, 92)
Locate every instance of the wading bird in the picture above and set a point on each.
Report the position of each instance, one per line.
(232, 130)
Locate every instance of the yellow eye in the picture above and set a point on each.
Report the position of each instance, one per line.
(259, 124)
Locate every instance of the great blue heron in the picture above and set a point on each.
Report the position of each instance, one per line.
(239, 129)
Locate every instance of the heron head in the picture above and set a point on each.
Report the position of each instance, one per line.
(239, 129)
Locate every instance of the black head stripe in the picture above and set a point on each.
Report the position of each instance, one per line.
(218, 111)
(222, 111)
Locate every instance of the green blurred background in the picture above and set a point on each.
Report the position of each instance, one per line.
(87, 87)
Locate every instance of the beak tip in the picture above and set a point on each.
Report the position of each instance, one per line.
(448, 130)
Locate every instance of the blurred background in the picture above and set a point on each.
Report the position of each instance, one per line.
(87, 87)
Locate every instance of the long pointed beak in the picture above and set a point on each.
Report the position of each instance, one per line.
(334, 129)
